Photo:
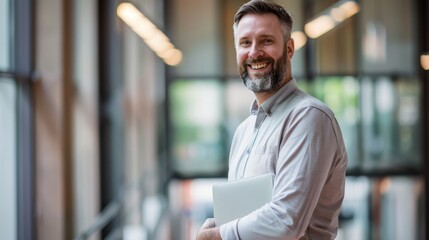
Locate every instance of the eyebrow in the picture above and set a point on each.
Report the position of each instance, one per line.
(259, 36)
(267, 35)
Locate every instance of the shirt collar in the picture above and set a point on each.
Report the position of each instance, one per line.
(270, 105)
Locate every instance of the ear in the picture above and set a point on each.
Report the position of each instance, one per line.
(290, 48)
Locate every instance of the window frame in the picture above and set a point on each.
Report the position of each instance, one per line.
(21, 71)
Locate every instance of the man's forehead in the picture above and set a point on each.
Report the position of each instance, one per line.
(261, 24)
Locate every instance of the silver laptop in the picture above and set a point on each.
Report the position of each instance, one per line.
(236, 199)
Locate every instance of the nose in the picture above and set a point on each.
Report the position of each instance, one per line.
(255, 52)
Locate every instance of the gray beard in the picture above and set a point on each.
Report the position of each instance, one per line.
(270, 82)
(263, 84)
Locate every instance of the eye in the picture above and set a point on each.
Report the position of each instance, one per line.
(245, 43)
(267, 41)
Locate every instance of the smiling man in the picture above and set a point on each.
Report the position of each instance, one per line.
(288, 133)
(263, 55)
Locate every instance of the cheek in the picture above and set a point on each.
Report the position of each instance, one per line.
(275, 53)
(241, 55)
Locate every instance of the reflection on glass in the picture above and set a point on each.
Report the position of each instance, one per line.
(196, 117)
(387, 39)
(390, 123)
(8, 168)
(4, 35)
(335, 51)
(382, 208)
(399, 208)
(200, 46)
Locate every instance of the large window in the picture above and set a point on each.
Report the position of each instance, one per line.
(391, 127)
(388, 37)
(196, 91)
(197, 113)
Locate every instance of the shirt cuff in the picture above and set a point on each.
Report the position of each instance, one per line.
(229, 231)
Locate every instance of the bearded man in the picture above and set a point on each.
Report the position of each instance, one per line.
(288, 133)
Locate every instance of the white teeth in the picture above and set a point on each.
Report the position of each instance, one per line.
(258, 65)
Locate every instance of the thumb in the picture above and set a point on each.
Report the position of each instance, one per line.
(209, 223)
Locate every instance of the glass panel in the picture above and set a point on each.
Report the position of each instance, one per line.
(388, 36)
(5, 25)
(391, 123)
(196, 116)
(197, 34)
(385, 208)
(341, 94)
(400, 209)
(334, 51)
(8, 158)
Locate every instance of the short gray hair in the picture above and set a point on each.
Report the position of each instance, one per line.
(265, 7)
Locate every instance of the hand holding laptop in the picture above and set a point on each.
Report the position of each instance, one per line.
(236, 199)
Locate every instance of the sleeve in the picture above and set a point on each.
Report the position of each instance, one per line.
(306, 154)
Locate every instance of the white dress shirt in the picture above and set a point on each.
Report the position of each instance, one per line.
(297, 138)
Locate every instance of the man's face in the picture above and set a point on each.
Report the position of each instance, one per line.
(261, 56)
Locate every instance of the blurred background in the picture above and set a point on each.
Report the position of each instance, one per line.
(116, 117)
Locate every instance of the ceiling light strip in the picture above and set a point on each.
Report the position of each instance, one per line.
(330, 18)
(151, 35)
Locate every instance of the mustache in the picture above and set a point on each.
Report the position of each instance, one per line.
(258, 60)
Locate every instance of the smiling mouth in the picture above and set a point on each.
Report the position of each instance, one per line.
(256, 66)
